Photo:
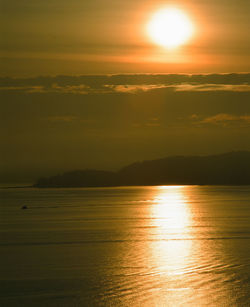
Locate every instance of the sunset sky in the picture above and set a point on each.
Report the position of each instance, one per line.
(76, 37)
(125, 153)
(86, 84)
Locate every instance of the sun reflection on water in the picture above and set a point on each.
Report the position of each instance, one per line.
(170, 208)
(171, 249)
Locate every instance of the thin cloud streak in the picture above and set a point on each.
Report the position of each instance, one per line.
(222, 119)
(129, 84)
(226, 118)
(212, 87)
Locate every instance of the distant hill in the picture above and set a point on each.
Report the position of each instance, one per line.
(84, 178)
(226, 169)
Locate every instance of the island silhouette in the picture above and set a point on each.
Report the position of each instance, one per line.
(231, 168)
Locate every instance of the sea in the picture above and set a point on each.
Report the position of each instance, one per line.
(125, 246)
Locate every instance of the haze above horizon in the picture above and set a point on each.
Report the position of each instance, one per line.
(99, 37)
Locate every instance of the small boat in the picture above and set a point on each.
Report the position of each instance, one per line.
(24, 207)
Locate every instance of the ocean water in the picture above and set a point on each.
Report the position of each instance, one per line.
(128, 246)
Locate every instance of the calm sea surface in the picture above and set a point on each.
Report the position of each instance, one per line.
(135, 246)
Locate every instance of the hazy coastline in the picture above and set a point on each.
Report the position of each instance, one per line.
(226, 169)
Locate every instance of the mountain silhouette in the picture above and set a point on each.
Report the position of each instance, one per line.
(225, 169)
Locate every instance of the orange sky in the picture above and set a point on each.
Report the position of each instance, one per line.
(62, 37)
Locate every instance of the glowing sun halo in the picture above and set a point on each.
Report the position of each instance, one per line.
(170, 28)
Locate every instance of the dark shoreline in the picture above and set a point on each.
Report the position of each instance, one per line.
(228, 169)
(124, 186)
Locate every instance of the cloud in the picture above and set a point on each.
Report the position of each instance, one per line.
(136, 88)
(128, 83)
(212, 87)
(128, 89)
(26, 89)
(224, 119)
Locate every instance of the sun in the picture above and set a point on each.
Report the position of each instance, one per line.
(170, 27)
